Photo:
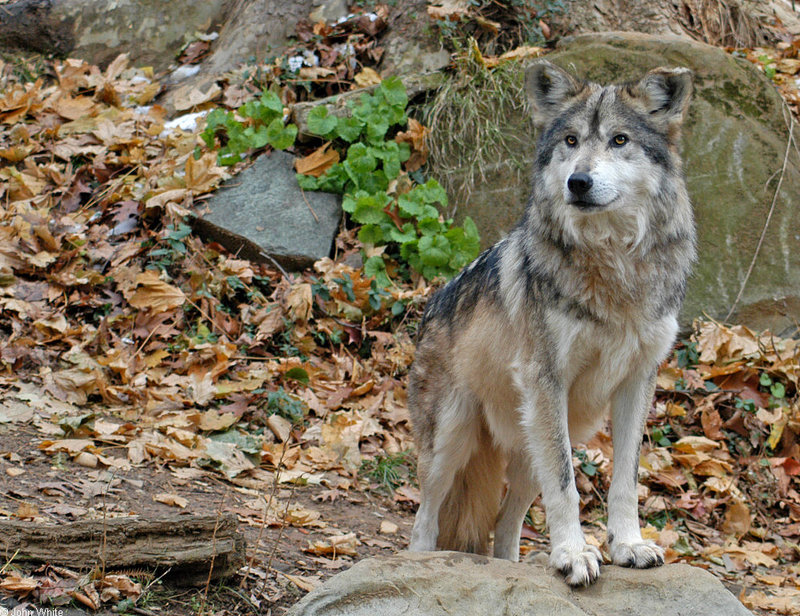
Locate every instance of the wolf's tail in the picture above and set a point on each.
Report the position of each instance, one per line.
(469, 512)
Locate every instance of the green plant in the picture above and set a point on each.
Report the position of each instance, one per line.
(286, 405)
(660, 435)
(688, 355)
(390, 470)
(255, 124)
(409, 221)
(769, 66)
(777, 390)
(588, 467)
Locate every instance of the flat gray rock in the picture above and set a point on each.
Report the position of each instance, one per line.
(446, 583)
(262, 210)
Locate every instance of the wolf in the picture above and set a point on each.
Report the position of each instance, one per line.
(559, 324)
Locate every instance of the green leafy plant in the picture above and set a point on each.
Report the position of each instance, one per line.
(410, 221)
(777, 390)
(390, 470)
(286, 405)
(660, 435)
(255, 125)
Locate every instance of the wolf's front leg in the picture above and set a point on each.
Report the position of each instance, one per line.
(544, 417)
(630, 406)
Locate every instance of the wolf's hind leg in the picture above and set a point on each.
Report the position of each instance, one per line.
(629, 411)
(456, 437)
(522, 490)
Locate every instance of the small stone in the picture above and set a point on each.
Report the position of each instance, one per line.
(388, 528)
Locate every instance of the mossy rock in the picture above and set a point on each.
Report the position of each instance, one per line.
(734, 146)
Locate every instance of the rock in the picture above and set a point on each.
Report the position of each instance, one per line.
(262, 210)
(734, 142)
(412, 43)
(151, 32)
(741, 23)
(434, 583)
(329, 11)
(256, 29)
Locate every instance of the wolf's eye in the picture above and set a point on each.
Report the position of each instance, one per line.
(619, 140)
(571, 140)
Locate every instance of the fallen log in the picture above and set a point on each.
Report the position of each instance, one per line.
(186, 544)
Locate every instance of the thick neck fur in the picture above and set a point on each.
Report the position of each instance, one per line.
(616, 265)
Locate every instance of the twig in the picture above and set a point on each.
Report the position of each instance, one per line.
(311, 209)
(280, 535)
(275, 483)
(278, 265)
(789, 143)
(213, 548)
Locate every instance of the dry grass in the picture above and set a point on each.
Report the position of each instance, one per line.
(726, 23)
(467, 139)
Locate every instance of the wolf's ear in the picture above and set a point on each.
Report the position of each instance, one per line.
(666, 93)
(548, 87)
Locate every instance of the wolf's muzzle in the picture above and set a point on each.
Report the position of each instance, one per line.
(579, 184)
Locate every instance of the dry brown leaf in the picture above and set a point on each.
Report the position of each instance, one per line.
(737, 519)
(300, 301)
(19, 585)
(173, 500)
(452, 10)
(367, 77)
(154, 294)
(318, 162)
(340, 545)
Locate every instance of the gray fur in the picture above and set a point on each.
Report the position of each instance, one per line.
(559, 324)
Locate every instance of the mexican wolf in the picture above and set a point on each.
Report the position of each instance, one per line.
(561, 322)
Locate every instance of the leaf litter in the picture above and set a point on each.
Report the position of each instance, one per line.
(127, 341)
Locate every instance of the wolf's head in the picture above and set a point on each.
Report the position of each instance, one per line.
(604, 149)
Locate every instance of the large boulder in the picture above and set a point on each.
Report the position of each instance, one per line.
(151, 32)
(440, 583)
(734, 145)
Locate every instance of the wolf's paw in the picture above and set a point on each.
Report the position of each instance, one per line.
(640, 555)
(580, 564)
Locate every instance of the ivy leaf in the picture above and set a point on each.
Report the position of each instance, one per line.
(408, 234)
(360, 159)
(430, 226)
(271, 101)
(349, 129)
(368, 211)
(434, 250)
(375, 267)
(256, 137)
(307, 182)
(279, 136)
(320, 122)
(371, 234)
(394, 92)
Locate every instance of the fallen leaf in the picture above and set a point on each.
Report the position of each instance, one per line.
(318, 162)
(154, 294)
(173, 500)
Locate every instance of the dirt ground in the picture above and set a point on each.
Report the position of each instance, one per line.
(62, 491)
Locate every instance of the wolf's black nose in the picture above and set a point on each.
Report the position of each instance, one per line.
(579, 183)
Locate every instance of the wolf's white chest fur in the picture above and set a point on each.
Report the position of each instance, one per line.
(594, 360)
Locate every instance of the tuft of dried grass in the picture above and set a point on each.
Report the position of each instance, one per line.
(466, 140)
(726, 23)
